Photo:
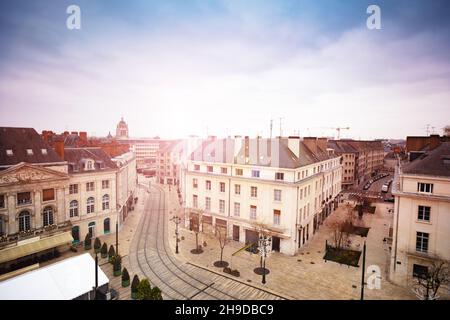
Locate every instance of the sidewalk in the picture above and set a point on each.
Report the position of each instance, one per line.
(306, 275)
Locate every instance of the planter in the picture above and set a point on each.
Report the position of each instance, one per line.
(117, 273)
(105, 255)
(133, 295)
(126, 283)
(87, 247)
(97, 250)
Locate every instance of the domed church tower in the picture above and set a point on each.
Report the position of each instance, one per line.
(122, 130)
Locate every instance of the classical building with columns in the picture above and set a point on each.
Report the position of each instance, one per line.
(285, 187)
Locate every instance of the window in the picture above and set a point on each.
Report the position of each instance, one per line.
(223, 170)
(197, 167)
(208, 185)
(277, 195)
(9, 152)
(73, 208)
(209, 168)
(30, 152)
(422, 241)
(106, 226)
(279, 176)
(424, 213)
(208, 204)
(301, 194)
(23, 198)
(237, 209)
(24, 221)
(2, 201)
(44, 151)
(105, 202)
(105, 184)
(195, 183)
(76, 234)
(420, 271)
(253, 192)
(253, 212)
(48, 216)
(90, 186)
(90, 165)
(425, 187)
(276, 217)
(73, 189)
(90, 205)
(222, 187)
(255, 173)
(48, 194)
(237, 189)
(222, 206)
(195, 201)
(239, 172)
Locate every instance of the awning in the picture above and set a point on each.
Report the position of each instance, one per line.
(9, 254)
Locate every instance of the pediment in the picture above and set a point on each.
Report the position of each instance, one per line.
(25, 173)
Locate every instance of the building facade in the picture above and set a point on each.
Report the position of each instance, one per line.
(421, 230)
(285, 187)
(126, 178)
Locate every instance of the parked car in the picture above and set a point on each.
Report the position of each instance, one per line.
(385, 188)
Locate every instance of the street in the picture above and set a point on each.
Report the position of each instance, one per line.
(151, 257)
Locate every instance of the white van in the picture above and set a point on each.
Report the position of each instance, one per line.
(385, 188)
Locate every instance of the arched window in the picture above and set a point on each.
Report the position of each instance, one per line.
(73, 208)
(91, 229)
(105, 202)
(24, 221)
(106, 226)
(48, 216)
(90, 205)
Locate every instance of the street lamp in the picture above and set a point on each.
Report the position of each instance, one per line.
(177, 221)
(264, 246)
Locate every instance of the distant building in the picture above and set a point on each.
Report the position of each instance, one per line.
(360, 160)
(285, 187)
(122, 130)
(421, 230)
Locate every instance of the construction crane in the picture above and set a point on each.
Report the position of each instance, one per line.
(338, 129)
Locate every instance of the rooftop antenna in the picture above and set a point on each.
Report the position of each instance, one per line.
(281, 130)
(427, 128)
(271, 127)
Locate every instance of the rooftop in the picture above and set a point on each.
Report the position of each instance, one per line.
(76, 158)
(435, 162)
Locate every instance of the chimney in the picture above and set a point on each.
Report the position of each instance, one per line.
(294, 145)
(59, 147)
(83, 136)
(435, 141)
(65, 133)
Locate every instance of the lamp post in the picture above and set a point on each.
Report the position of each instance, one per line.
(265, 243)
(177, 221)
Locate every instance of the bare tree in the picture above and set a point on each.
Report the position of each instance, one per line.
(427, 285)
(222, 237)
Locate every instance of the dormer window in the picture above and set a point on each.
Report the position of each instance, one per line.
(9, 152)
(44, 151)
(30, 152)
(89, 165)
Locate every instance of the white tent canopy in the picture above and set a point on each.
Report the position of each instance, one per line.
(64, 280)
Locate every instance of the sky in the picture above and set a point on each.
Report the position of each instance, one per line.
(226, 67)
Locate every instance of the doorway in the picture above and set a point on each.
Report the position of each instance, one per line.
(236, 233)
(276, 244)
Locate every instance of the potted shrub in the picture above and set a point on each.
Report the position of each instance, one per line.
(117, 265)
(134, 286)
(125, 278)
(87, 242)
(235, 273)
(144, 290)
(227, 270)
(104, 250)
(97, 245)
(156, 294)
(111, 253)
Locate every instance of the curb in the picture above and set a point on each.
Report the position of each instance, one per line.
(270, 291)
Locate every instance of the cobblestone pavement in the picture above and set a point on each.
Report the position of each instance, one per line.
(305, 275)
(151, 257)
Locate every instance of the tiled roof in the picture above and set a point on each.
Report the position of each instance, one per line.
(19, 140)
(76, 158)
(435, 162)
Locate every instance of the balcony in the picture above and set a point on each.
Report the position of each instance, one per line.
(42, 232)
